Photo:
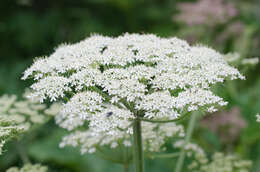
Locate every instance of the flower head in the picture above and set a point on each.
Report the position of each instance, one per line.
(108, 82)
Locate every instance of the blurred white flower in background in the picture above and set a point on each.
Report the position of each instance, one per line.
(258, 117)
(29, 168)
(25, 112)
(219, 162)
(18, 116)
(8, 130)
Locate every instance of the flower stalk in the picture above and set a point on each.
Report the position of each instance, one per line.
(165, 155)
(190, 129)
(138, 146)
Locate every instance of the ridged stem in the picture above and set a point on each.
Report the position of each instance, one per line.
(138, 146)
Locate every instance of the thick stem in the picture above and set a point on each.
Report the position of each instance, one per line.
(138, 147)
(186, 141)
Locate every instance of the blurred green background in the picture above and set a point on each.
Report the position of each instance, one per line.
(33, 28)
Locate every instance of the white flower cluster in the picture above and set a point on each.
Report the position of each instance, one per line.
(17, 117)
(218, 163)
(29, 168)
(89, 106)
(25, 112)
(236, 60)
(225, 163)
(258, 117)
(108, 82)
(250, 61)
(8, 130)
(131, 68)
(153, 135)
(190, 148)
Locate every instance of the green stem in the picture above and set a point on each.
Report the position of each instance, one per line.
(186, 141)
(138, 147)
(165, 155)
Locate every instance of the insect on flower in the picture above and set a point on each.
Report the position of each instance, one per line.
(108, 114)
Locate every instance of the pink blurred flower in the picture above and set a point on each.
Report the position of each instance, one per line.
(208, 12)
(226, 124)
